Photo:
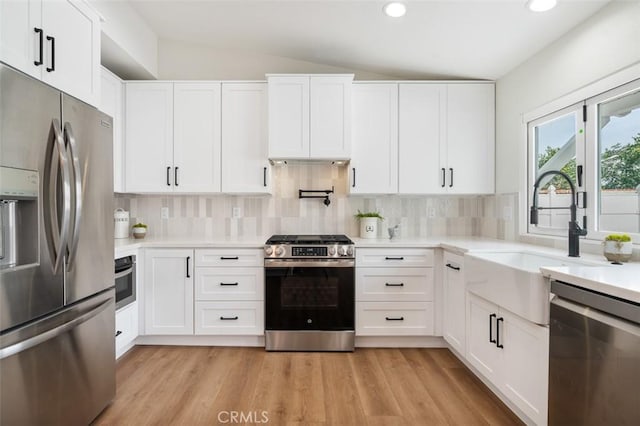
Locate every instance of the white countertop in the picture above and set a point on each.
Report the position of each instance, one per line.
(622, 281)
(618, 280)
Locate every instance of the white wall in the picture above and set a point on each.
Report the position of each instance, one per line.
(130, 47)
(607, 42)
(186, 61)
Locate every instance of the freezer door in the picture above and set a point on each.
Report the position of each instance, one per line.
(29, 119)
(61, 369)
(88, 139)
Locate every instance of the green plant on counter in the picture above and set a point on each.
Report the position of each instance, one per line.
(140, 225)
(621, 238)
(360, 215)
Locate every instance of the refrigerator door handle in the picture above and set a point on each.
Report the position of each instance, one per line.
(74, 235)
(56, 235)
(54, 332)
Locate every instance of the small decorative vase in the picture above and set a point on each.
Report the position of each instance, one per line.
(617, 251)
(368, 227)
(139, 232)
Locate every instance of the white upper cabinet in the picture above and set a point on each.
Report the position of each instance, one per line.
(245, 167)
(57, 42)
(374, 124)
(112, 103)
(446, 138)
(309, 116)
(172, 137)
(149, 137)
(196, 142)
(470, 138)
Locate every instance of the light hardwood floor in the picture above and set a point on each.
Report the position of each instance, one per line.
(172, 385)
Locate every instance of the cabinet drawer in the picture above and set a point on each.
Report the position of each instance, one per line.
(126, 325)
(394, 318)
(394, 284)
(229, 284)
(394, 257)
(232, 318)
(229, 257)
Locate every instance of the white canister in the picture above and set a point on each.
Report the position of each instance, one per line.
(121, 223)
(368, 227)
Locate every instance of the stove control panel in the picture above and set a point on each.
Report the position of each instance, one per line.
(316, 251)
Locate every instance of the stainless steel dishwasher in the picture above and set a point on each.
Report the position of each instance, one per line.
(594, 358)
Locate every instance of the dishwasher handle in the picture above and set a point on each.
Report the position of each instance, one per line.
(596, 315)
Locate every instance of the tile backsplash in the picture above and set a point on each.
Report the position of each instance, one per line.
(210, 216)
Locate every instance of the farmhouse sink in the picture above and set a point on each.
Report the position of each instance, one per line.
(513, 280)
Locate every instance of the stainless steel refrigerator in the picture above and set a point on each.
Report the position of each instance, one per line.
(57, 363)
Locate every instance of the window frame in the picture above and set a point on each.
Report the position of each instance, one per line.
(587, 154)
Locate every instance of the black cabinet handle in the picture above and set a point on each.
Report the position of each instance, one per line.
(393, 258)
(394, 285)
(188, 259)
(228, 318)
(444, 176)
(451, 177)
(175, 176)
(118, 333)
(455, 268)
(264, 177)
(498, 344)
(353, 169)
(228, 283)
(579, 175)
(394, 319)
(229, 258)
(53, 54)
(168, 172)
(491, 339)
(40, 46)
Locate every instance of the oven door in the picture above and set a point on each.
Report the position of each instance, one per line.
(125, 281)
(310, 294)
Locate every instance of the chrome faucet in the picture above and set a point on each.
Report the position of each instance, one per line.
(574, 229)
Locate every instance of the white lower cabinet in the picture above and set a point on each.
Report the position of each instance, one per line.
(168, 293)
(511, 353)
(126, 328)
(229, 296)
(453, 303)
(394, 292)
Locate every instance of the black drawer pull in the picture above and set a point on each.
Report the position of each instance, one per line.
(188, 258)
(229, 258)
(394, 319)
(175, 176)
(228, 318)
(228, 283)
(118, 333)
(168, 171)
(394, 285)
(393, 258)
(455, 268)
(444, 177)
(451, 181)
(264, 177)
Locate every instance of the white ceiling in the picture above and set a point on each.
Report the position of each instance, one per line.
(475, 39)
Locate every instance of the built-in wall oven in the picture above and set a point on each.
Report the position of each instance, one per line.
(125, 269)
(309, 293)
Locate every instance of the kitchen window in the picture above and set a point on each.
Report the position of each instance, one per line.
(596, 142)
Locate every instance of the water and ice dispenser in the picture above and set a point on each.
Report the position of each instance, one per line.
(18, 217)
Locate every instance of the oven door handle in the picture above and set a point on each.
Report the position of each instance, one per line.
(327, 263)
(124, 273)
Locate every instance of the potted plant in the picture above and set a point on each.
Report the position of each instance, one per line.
(139, 230)
(369, 224)
(617, 247)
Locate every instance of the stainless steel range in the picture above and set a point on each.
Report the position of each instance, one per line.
(309, 293)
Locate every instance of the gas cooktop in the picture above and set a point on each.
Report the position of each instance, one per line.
(309, 239)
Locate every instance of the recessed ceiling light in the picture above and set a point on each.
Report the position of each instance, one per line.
(541, 5)
(395, 9)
